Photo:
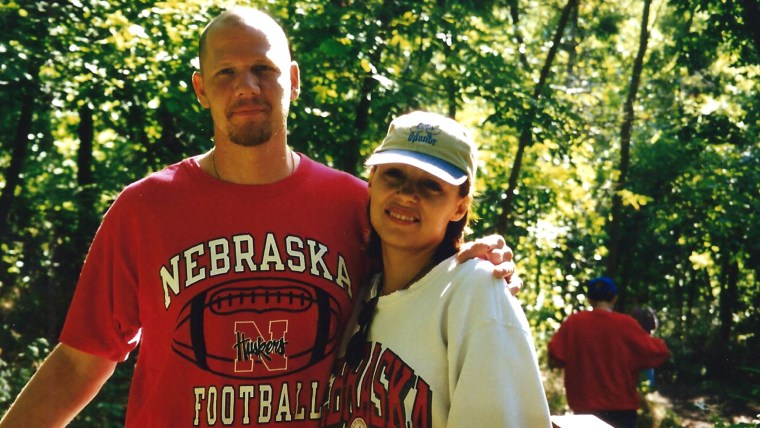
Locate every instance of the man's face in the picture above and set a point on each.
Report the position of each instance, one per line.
(247, 80)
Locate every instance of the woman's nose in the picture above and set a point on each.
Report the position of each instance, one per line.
(408, 188)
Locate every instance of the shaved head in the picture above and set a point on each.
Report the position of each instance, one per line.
(247, 78)
(246, 16)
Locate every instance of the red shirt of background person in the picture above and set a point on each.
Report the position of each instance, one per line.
(602, 353)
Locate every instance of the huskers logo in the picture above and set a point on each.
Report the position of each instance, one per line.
(383, 391)
(252, 346)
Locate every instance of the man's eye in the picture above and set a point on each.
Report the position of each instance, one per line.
(225, 72)
(258, 69)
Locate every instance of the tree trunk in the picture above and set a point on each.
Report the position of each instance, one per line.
(351, 162)
(526, 134)
(86, 137)
(88, 218)
(28, 94)
(572, 53)
(169, 143)
(449, 51)
(723, 364)
(514, 13)
(625, 146)
(69, 254)
(751, 13)
(727, 304)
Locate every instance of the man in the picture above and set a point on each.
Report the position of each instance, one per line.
(234, 270)
(602, 352)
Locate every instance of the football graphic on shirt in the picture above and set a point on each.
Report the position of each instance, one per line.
(258, 328)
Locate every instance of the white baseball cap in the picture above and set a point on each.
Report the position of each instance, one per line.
(433, 143)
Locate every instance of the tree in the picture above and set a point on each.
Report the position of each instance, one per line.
(528, 118)
(625, 145)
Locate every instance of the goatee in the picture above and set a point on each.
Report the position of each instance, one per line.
(250, 134)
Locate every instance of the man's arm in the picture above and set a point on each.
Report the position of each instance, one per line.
(65, 382)
(556, 348)
(554, 362)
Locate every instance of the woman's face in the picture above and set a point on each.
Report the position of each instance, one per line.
(410, 208)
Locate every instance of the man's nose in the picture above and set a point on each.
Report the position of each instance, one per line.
(247, 84)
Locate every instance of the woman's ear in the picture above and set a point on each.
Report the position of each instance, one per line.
(371, 176)
(462, 207)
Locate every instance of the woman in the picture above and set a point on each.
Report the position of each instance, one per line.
(437, 343)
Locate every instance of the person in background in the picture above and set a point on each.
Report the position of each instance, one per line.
(647, 319)
(437, 343)
(236, 298)
(602, 353)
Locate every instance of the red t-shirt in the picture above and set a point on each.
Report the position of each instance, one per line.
(236, 294)
(602, 353)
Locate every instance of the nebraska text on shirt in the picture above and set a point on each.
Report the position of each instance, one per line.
(239, 254)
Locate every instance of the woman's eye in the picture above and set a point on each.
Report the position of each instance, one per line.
(432, 186)
(393, 174)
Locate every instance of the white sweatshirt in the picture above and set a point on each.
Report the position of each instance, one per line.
(452, 350)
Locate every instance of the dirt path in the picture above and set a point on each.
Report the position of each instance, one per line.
(692, 408)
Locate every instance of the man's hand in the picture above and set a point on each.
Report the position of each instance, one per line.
(494, 249)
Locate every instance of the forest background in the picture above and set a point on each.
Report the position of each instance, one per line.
(617, 137)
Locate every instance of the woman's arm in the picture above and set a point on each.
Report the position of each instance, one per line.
(495, 380)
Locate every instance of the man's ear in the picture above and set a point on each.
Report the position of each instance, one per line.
(462, 207)
(200, 90)
(295, 81)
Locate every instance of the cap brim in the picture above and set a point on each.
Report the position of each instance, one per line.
(430, 164)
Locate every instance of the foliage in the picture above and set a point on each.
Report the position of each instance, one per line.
(107, 88)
